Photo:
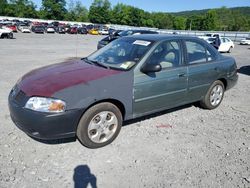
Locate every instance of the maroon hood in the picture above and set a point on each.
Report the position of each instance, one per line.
(46, 81)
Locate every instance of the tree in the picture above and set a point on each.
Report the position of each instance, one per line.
(120, 14)
(210, 21)
(3, 6)
(21, 8)
(53, 9)
(100, 11)
(179, 23)
(77, 12)
(162, 20)
(194, 22)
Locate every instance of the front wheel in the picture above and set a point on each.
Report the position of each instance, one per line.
(213, 96)
(99, 125)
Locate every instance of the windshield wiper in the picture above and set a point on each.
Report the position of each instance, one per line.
(95, 63)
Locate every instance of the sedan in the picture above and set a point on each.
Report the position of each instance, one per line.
(131, 77)
(226, 45)
(38, 29)
(245, 41)
(25, 29)
(50, 29)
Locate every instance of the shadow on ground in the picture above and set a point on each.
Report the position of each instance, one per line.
(244, 70)
(56, 141)
(83, 178)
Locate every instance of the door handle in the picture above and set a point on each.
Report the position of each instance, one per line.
(182, 74)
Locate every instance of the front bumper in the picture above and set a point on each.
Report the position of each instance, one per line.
(45, 126)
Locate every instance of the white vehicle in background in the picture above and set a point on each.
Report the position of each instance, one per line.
(6, 33)
(245, 41)
(103, 32)
(226, 45)
(50, 29)
(25, 29)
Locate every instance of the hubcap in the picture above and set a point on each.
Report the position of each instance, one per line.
(102, 127)
(216, 95)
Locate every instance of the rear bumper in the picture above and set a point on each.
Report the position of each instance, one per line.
(44, 126)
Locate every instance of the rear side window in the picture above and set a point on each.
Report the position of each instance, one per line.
(198, 53)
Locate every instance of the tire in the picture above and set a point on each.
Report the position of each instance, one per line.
(99, 125)
(10, 35)
(214, 96)
(230, 49)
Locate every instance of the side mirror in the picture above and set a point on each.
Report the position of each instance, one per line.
(148, 68)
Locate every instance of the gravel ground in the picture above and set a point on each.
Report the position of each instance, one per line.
(184, 147)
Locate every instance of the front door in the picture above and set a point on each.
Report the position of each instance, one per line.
(165, 89)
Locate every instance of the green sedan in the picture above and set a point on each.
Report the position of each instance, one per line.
(131, 77)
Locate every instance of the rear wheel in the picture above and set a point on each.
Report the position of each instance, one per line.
(99, 125)
(213, 96)
(230, 49)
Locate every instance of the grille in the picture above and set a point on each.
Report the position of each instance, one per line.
(20, 96)
(17, 95)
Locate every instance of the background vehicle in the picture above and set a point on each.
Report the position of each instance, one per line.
(50, 29)
(38, 29)
(72, 30)
(245, 41)
(124, 33)
(103, 32)
(13, 28)
(226, 45)
(82, 30)
(93, 32)
(6, 33)
(210, 40)
(25, 29)
(60, 30)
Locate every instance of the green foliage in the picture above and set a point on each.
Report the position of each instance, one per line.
(210, 21)
(120, 14)
(53, 9)
(21, 8)
(162, 20)
(77, 12)
(179, 23)
(100, 11)
(3, 6)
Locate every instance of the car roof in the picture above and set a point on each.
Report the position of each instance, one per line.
(160, 37)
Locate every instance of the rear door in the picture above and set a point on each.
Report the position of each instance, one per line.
(164, 89)
(202, 69)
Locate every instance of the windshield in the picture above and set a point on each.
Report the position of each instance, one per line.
(121, 54)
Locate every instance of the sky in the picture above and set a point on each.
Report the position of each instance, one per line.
(170, 5)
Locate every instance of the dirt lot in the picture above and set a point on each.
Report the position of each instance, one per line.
(184, 147)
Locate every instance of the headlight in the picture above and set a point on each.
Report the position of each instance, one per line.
(42, 104)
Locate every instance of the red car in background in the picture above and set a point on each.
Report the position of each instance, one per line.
(12, 27)
(72, 30)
